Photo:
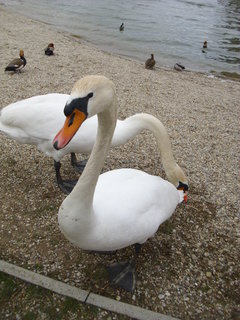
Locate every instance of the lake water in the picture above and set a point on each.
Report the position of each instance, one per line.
(174, 30)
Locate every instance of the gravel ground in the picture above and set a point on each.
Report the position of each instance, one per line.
(189, 269)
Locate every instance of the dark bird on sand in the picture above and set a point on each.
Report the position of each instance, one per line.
(121, 28)
(179, 67)
(49, 50)
(17, 64)
(150, 63)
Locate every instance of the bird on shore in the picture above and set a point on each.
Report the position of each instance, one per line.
(36, 120)
(179, 67)
(17, 64)
(119, 208)
(49, 49)
(150, 63)
(121, 28)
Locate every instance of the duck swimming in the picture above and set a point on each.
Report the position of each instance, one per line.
(17, 64)
(121, 28)
(119, 208)
(36, 120)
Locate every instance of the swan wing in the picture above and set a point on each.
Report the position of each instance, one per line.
(34, 119)
(129, 205)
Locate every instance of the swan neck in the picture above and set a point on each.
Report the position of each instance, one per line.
(85, 187)
(133, 125)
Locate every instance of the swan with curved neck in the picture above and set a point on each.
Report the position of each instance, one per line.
(120, 207)
(36, 120)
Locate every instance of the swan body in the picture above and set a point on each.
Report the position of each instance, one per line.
(119, 217)
(120, 207)
(36, 120)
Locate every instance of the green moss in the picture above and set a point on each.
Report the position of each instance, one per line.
(29, 316)
(91, 312)
(70, 305)
(230, 75)
(8, 286)
(36, 292)
(76, 36)
(52, 313)
(99, 274)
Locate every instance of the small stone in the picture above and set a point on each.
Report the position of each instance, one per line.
(194, 257)
(208, 274)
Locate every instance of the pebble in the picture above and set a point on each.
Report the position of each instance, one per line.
(208, 274)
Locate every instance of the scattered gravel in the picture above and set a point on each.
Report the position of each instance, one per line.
(189, 269)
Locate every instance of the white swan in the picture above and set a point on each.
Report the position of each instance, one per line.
(36, 120)
(120, 207)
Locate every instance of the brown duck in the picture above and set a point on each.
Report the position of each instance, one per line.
(49, 50)
(17, 64)
(150, 63)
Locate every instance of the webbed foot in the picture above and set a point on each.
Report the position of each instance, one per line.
(78, 166)
(122, 274)
(67, 185)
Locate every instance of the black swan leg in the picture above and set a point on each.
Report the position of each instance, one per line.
(78, 166)
(123, 274)
(65, 185)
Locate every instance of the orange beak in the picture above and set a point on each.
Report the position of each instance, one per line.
(185, 197)
(72, 123)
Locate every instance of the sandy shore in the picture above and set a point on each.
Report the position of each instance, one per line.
(189, 269)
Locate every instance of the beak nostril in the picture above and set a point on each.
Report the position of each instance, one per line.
(55, 145)
(70, 122)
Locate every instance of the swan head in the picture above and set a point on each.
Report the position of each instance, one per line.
(178, 178)
(90, 95)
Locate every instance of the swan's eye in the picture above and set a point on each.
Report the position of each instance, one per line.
(182, 186)
(90, 95)
(70, 122)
